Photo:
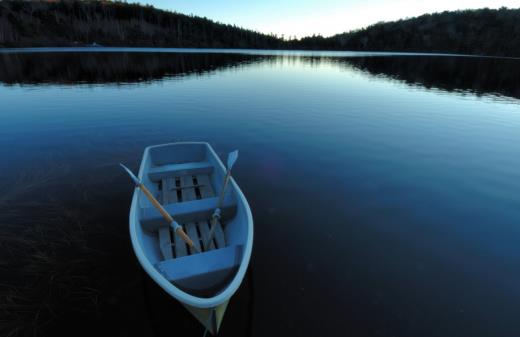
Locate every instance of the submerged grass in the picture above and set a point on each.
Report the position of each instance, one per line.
(45, 265)
(46, 261)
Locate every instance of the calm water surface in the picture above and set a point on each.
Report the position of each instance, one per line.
(385, 190)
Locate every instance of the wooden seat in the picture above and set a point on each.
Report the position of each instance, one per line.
(201, 271)
(170, 170)
(185, 188)
(188, 211)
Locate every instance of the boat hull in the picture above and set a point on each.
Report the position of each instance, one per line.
(209, 311)
(210, 318)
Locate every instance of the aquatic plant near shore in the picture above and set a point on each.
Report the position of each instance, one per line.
(51, 248)
(45, 266)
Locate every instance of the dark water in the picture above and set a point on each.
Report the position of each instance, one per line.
(385, 190)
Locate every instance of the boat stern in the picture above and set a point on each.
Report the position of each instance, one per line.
(211, 318)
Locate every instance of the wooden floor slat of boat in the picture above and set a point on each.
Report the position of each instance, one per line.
(187, 188)
(188, 192)
(164, 191)
(191, 229)
(180, 246)
(172, 189)
(206, 190)
(204, 230)
(165, 242)
(219, 235)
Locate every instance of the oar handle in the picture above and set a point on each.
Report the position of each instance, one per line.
(166, 216)
(186, 238)
(223, 190)
(232, 158)
(156, 203)
(216, 214)
(214, 218)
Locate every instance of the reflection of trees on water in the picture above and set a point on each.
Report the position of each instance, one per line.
(471, 74)
(477, 75)
(100, 68)
(468, 74)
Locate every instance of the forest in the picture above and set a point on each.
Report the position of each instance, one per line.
(493, 32)
(478, 32)
(114, 23)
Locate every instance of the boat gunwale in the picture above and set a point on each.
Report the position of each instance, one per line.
(171, 289)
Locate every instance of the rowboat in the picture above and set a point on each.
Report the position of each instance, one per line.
(184, 178)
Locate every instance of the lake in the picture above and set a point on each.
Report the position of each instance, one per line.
(385, 189)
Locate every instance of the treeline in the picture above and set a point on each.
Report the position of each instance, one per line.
(479, 32)
(113, 23)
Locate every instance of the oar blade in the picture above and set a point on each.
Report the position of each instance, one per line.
(134, 178)
(231, 159)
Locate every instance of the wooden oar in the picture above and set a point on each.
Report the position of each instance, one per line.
(176, 227)
(232, 158)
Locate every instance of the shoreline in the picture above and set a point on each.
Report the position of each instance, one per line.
(243, 51)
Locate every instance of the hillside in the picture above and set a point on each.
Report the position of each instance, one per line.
(79, 23)
(479, 32)
(108, 23)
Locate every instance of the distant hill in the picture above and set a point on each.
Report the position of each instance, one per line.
(114, 23)
(481, 32)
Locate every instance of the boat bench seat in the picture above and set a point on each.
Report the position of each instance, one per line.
(188, 211)
(159, 172)
(203, 270)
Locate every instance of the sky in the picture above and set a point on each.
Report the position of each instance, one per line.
(307, 17)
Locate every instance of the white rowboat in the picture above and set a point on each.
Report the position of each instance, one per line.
(186, 178)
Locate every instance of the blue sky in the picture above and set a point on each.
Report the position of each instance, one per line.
(306, 17)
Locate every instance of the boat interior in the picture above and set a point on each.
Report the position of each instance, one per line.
(186, 179)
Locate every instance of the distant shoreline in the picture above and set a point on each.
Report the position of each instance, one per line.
(74, 24)
(244, 51)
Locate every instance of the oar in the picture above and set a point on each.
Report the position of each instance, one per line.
(232, 158)
(176, 227)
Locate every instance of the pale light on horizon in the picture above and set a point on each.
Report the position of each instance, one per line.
(327, 17)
